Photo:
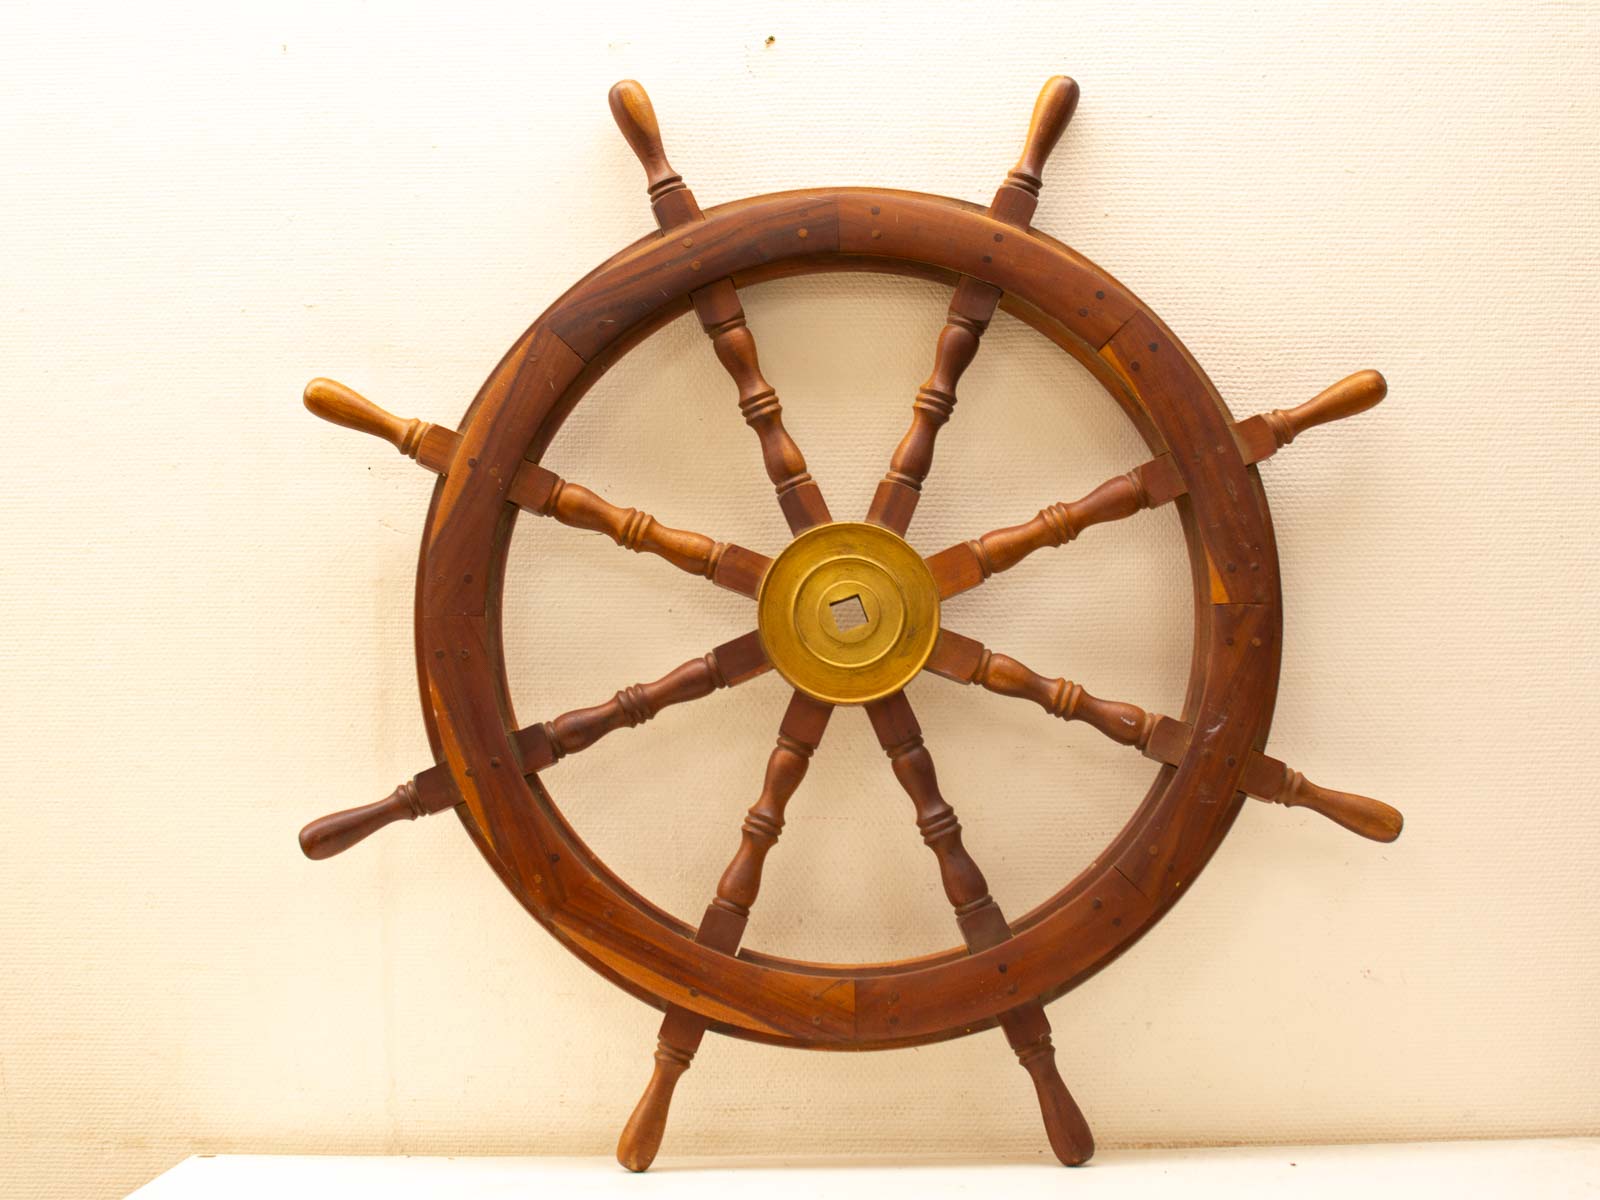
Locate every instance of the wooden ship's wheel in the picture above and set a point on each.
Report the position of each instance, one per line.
(847, 614)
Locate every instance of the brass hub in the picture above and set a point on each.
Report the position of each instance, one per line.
(848, 612)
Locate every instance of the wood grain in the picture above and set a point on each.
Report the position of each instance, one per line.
(724, 922)
(721, 315)
(543, 744)
(963, 566)
(971, 310)
(725, 564)
(968, 661)
(982, 925)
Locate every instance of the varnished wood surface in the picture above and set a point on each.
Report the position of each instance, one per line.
(1202, 463)
(1149, 485)
(978, 916)
(921, 230)
(1080, 308)
(724, 922)
(971, 310)
(965, 660)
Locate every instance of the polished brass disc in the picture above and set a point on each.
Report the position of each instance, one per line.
(848, 612)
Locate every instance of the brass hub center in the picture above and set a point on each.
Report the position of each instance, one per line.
(848, 612)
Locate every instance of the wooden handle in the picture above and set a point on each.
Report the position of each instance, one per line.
(636, 117)
(337, 832)
(641, 1136)
(334, 402)
(1359, 814)
(1351, 395)
(1064, 1122)
(1058, 100)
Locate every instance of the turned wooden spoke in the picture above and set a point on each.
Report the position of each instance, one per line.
(971, 310)
(1163, 739)
(542, 745)
(1149, 485)
(982, 924)
(721, 315)
(545, 493)
(901, 738)
(724, 922)
(724, 563)
(967, 661)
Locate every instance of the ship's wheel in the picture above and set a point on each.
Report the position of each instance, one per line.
(847, 614)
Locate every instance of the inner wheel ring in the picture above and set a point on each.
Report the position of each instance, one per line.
(1095, 917)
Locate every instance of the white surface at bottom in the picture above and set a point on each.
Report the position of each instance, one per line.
(1557, 1167)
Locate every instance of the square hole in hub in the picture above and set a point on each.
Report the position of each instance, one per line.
(848, 613)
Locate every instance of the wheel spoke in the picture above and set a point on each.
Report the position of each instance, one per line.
(1164, 739)
(724, 563)
(723, 925)
(971, 310)
(898, 732)
(729, 664)
(967, 661)
(722, 317)
(545, 493)
(1149, 485)
(543, 744)
(979, 918)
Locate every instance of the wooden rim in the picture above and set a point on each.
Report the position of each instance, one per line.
(1068, 937)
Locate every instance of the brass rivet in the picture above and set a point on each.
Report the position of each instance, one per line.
(802, 233)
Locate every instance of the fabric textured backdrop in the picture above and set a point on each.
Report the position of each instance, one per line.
(208, 593)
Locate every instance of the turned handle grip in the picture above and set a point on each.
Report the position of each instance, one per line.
(334, 402)
(636, 117)
(1359, 814)
(1064, 1123)
(1057, 101)
(337, 832)
(641, 1136)
(1351, 395)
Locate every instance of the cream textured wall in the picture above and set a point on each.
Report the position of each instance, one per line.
(207, 594)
